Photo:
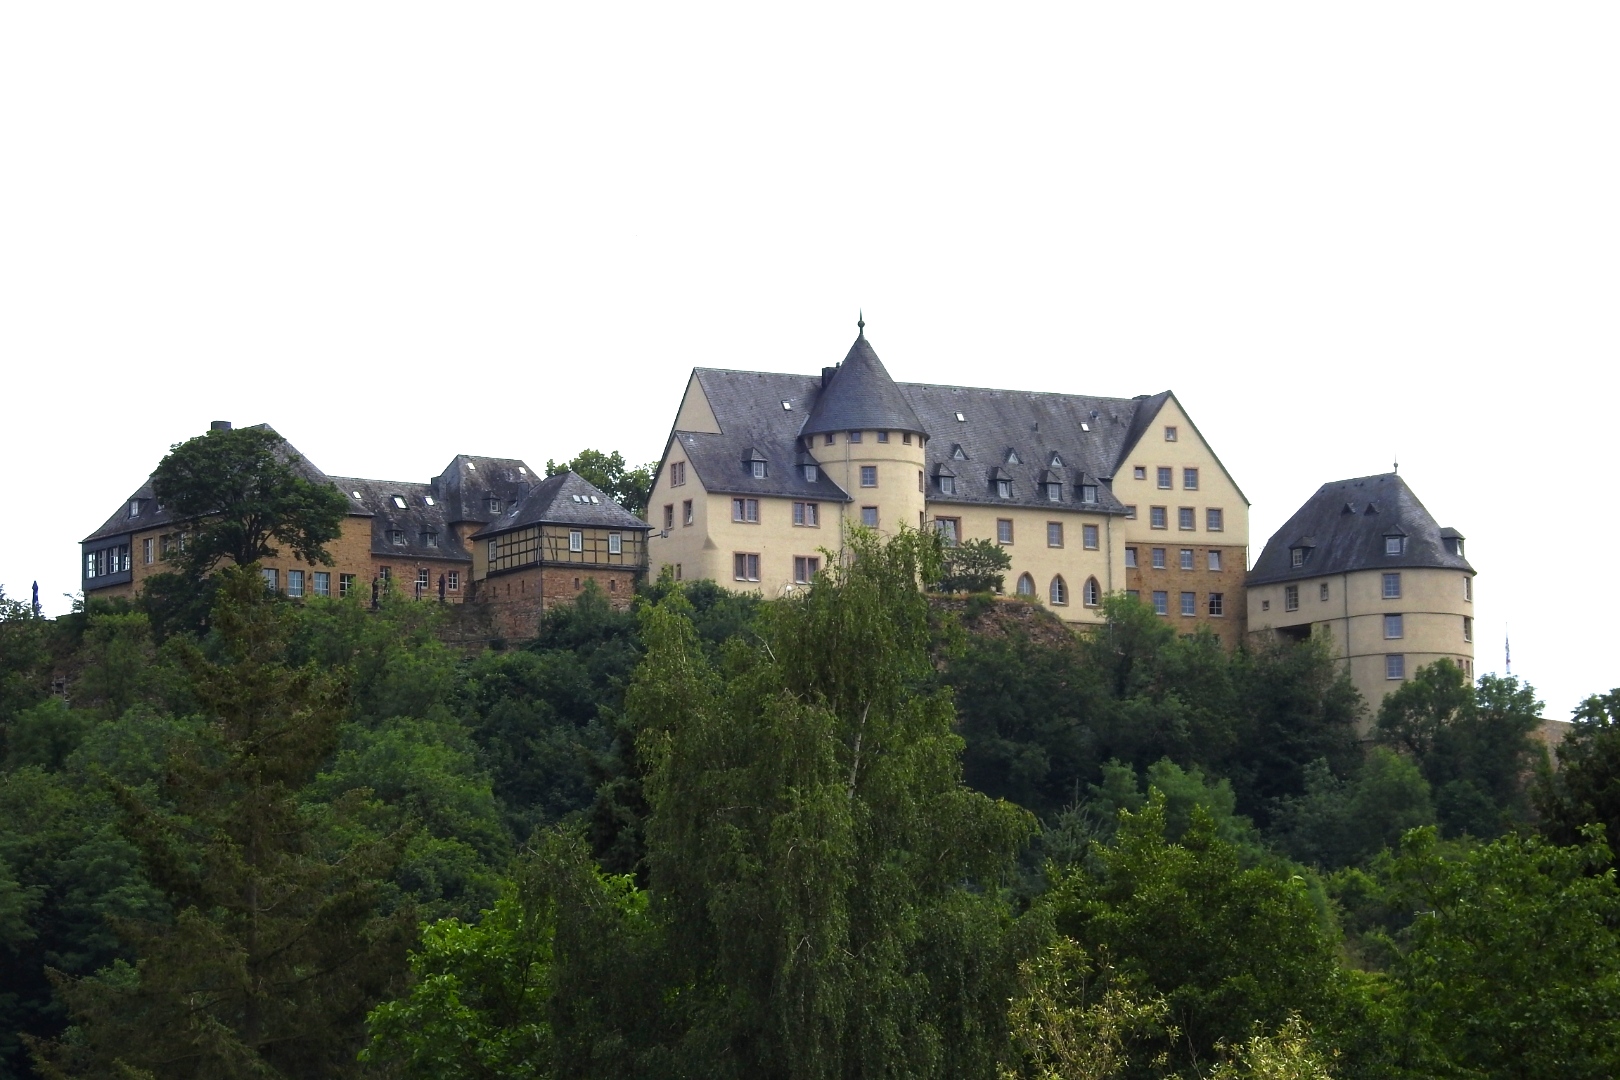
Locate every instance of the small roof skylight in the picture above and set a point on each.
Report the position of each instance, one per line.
(787, 406)
(1084, 426)
(357, 494)
(470, 465)
(399, 501)
(961, 418)
(428, 499)
(522, 470)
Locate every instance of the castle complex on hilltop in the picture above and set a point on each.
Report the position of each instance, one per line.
(761, 472)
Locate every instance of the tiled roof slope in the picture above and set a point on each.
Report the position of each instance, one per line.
(150, 516)
(565, 499)
(468, 483)
(422, 514)
(860, 396)
(1345, 523)
(748, 406)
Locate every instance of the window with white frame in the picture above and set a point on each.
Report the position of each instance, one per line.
(869, 516)
(949, 529)
(295, 583)
(1158, 517)
(1091, 595)
(1165, 473)
(1186, 519)
(810, 474)
(1088, 537)
(1394, 626)
(1186, 558)
(1392, 586)
(1161, 602)
(1004, 530)
(1058, 593)
(1214, 520)
(1054, 534)
(1468, 588)
(272, 579)
(1088, 494)
(1394, 545)
(1003, 489)
(453, 581)
(424, 580)
(1189, 603)
(1189, 479)
(1026, 585)
(323, 583)
(686, 512)
(1169, 433)
(1291, 598)
(947, 485)
(1158, 558)
(576, 540)
(869, 476)
(758, 468)
(1468, 628)
(1394, 666)
(669, 516)
(1054, 492)
(1213, 560)
(615, 543)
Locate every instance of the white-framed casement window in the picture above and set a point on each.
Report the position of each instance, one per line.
(807, 514)
(424, 580)
(576, 540)
(1164, 477)
(1291, 598)
(1392, 586)
(295, 583)
(745, 566)
(1186, 558)
(1088, 494)
(1217, 605)
(1026, 585)
(758, 469)
(1213, 560)
(1296, 557)
(1394, 626)
(869, 476)
(1088, 537)
(1130, 558)
(1003, 489)
(1058, 593)
(1158, 517)
(1214, 519)
(1394, 666)
(323, 583)
(1091, 593)
(146, 551)
(1394, 545)
(430, 539)
(453, 581)
(1189, 603)
(1054, 534)
(810, 474)
(494, 506)
(1054, 492)
(1186, 519)
(272, 579)
(745, 510)
(1158, 558)
(396, 537)
(1468, 588)
(1161, 602)
(345, 584)
(869, 516)
(805, 568)
(949, 529)
(1004, 530)
(615, 543)
(947, 485)
(1468, 628)
(1189, 479)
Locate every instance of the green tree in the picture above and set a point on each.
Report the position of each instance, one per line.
(628, 487)
(1345, 822)
(276, 949)
(244, 493)
(974, 566)
(1585, 788)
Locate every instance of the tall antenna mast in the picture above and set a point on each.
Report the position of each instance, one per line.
(1507, 651)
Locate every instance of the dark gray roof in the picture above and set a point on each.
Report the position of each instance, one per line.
(860, 396)
(423, 521)
(748, 407)
(468, 483)
(565, 499)
(150, 516)
(1344, 525)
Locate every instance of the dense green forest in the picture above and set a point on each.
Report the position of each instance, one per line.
(859, 832)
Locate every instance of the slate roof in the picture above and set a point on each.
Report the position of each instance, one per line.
(423, 513)
(1345, 523)
(860, 396)
(468, 482)
(565, 499)
(1090, 435)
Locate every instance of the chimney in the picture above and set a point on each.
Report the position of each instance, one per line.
(220, 425)
(826, 376)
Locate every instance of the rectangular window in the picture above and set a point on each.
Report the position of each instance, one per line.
(868, 476)
(615, 544)
(809, 474)
(805, 568)
(146, 551)
(1214, 561)
(1088, 537)
(947, 485)
(1004, 530)
(1217, 604)
(1392, 586)
(1054, 493)
(745, 567)
(272, 579)
(385, 572)
(396, 537)
(1158, 517)
(669, 515)
(1054, 534)
(1186, 519)
(758, 468)
(1291, 598)
(1164, 477)
(1134, 594)
(345, 583)
(828, 439)
(1468, 628)
(1394, 545)
(1088, 493)
(1214, 520)
(1161, 602)
(424, 581)
(1393, 626)
(1130, 558)
(1468, 589)
(883, 436)
(322, 584)
(869, 517)
(686, 512)
(1130, 512)
(949, 529)
(807, 514)
(1139, 472)
(1322, 589)
(453, 582)
(1296, 557)
(576, 540)
(430, 539)
(855, 436)
(1158, 558)
(919, 480)
(1169, 433)
(745, 510)
(295, 583)
(1395, 666)
(1189, 603)
(677, 474)
(1004, 489)
(1186, 558)
(1189, 479)
(491, 548)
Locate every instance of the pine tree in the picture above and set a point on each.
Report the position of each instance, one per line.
(277, 948)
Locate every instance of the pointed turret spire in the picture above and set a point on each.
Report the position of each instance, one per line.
(860, 396)
(860, 324)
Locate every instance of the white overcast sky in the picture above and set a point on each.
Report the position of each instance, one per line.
(400, 232)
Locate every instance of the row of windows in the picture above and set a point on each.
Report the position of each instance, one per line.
(1057, 591)
(1166, 476)
(109, 560)
(745, 567)
(1186, 518)
(1051, 491)
(1186, 558)
(1395, 666)
(1391, 591)
(425, 539)
(319, 582)
(950, 528)
(1214, 603)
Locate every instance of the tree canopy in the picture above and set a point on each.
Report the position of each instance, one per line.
(629, 487)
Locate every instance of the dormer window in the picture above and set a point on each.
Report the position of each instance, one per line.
(494, 506)
(135, 508)
(1056, 462)
(399, 501)
(810, 474)
(396, 537)
(1012, 457)
(1394, 545)
(1088, 493)
(1004, 489)
(430, 539)
(957, 453)
(1054, 492)
(947, 485)
(1298, 556)
(758, 468)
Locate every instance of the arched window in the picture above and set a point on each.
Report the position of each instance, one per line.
(1026, 585)
(1059, 591)
(1093, 593)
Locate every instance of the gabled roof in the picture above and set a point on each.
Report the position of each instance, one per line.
(565, 499)
(423, 522)
(860, 396)
(468, 483)
(748, 407)
(1345, 523)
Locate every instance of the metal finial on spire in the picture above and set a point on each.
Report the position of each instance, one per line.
(860, 324)
(1397, 464)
